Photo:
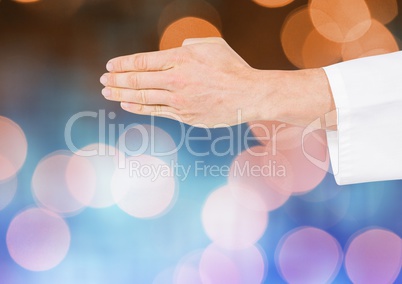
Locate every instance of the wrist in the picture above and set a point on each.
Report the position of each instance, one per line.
(264, 94)
(296, 97)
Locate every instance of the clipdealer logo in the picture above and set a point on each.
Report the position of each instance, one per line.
(108, 130)
(188, 135)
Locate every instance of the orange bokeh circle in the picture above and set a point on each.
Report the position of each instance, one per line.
(377, 40)
(187, 27)
(340, 20)
(273, 3)
(383, 11)
(294, 32)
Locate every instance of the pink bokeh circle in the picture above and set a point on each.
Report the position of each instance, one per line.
(13, 148)
(145, 188)
(308, 255)
(247, 179)
(89, 174)
(374, 256)
(187, 270)
(38, 239)
(49, 184)
(229, 224)
(218, 265)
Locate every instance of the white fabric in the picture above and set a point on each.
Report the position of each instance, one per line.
(368, 96)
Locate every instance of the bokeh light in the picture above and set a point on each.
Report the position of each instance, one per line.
(147, 139)
(178, 9)
(187, 270)
(245, 266)
(383, 11)
(273, 3)
(37, 239)
(285, 140)
(188, 274)
(308, 255)
(8, 188)
(13, 148)
(304, 46)
(49, 184)
(229, 224)
(145, 188)
(81, 179)
(306, 174)
(340, 20)
(165, 276)
(377, 40)
(278, 134)
(295, 31)
(319, 52)
(89, 174)
(247, 179)
(263, 131)
(187, 27)
(374, 256)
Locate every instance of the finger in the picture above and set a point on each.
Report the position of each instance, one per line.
(148, 61)
(190, 41)
(136, 80)
(144, 97)
(154, 110)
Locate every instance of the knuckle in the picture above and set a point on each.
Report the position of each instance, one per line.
(133, 81)
(142, 97)
(180, 56)
(183, 56)
(116, 94)
(140, 108)
(177, 100)
(140, 63)
(117, 64)
(176, 82)
(111, 79)
(158, 110)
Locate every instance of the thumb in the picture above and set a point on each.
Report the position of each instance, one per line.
(190, 41)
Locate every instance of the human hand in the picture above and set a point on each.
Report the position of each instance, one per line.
(203, 83)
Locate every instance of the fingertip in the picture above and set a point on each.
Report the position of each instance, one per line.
(103, 79)
(106, 92)
(109, 66)
(124, 105)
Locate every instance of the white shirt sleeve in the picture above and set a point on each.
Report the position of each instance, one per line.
(368, 96)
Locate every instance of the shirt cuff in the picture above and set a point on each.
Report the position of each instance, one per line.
(368, 97)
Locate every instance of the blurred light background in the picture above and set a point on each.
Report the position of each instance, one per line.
(68, 218)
